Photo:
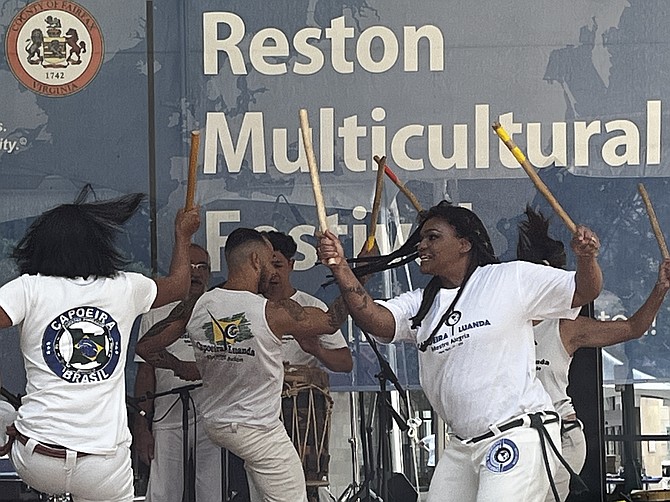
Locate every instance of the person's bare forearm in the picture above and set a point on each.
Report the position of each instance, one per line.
(588, 281)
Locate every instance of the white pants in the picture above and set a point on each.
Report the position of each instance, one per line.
(270, 460)
(573, 444)
(91, 478)
(509, 466)
(166, 477)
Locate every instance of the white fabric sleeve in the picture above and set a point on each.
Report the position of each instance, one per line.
(546, 291)
(402, 308)
(13, 300)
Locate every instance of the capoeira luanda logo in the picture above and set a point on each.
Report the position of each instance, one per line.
(228, 331)
(54, 47)
(502, 456)
(82, 345)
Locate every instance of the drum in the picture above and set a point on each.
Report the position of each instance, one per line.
(646, 495)
(306, 414)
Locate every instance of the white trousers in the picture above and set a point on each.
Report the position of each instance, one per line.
(573, 444)
(270, 459)
(92, 478)
(166, 476)
(509, 466)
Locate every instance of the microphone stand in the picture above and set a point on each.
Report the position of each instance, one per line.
(188, 495)
(386, 412)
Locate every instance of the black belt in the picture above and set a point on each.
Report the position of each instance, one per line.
(568, 425)
(550, 417)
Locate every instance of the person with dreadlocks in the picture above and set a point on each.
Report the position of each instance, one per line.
(557, 340)
(473, 327)
(76, 308)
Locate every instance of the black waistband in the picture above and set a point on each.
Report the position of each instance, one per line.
(568, 425)
(549, 417)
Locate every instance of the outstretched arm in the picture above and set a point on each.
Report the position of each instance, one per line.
(175, 286)
(338, 360)
(152, 347)
(368, 315)
(587, 332)
(589, 277)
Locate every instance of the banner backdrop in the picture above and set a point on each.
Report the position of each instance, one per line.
(582, 87)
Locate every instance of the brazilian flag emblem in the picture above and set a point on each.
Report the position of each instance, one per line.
(229, 330)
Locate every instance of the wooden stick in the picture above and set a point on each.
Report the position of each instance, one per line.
(192, 170)
(401, 186)
(313, 170)
(654, 221)
(530, 171)
(377, 202)
(314, 173)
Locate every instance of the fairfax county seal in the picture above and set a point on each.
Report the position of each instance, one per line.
(502, 456)
(82, 345)
(54, 47)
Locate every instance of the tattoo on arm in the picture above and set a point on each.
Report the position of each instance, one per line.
(359, 295)
(294, 310)
(337, 312)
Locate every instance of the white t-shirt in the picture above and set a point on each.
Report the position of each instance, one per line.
(239, 359)
(164, 406)
(480, 368)
(553, 364)
(291, 351)
(74, 341)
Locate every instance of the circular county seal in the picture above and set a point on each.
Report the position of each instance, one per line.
(54, 47)
(82, 345)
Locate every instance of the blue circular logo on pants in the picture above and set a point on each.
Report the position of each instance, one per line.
(502, 456)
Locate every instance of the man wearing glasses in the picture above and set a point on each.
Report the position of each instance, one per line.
(158, 435)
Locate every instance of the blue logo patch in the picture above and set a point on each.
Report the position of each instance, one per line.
(82, 345)
(502, 456)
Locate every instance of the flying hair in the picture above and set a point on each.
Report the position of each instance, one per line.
(78, 239)
(535, 245)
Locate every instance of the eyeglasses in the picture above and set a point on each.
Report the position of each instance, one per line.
(200, 266)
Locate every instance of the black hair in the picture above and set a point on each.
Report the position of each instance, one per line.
(283, 243)
(239, 237)
(466, 224)
(78, 239)
(534, 243)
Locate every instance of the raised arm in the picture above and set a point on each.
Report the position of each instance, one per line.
(589, 277)
(369, 316)
(587, 332)
(176, 285)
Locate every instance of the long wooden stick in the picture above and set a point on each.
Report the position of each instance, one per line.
(192, 170)
(314, 173)
(530, 171)
(313, 170)
(401, 186)
(376, 202)
(654, 221)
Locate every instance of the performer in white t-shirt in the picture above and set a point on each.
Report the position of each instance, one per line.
(158, 436)
(473, 327)
(557, 340)
(330, 350)
(236, 335)
(76, 309)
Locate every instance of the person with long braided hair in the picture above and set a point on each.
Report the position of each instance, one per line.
(558, 339)
(473, 327)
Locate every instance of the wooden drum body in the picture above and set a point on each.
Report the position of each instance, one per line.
(306, 414)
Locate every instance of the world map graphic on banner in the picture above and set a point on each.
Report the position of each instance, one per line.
(581, 87)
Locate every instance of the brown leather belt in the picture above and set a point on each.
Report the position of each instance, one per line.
(54, 451)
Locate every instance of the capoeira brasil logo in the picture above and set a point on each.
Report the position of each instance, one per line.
(82, 345)
(54, 47)
(502, 456)
(229, 330)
